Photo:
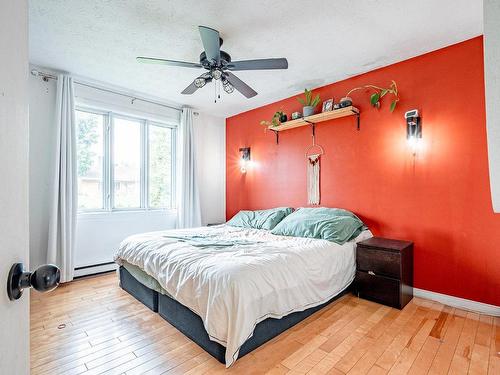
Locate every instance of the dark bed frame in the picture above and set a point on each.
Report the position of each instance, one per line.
(191, 324)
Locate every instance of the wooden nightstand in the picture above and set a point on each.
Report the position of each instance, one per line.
(384, 271)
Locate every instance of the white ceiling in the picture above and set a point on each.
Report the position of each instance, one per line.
(324, 41)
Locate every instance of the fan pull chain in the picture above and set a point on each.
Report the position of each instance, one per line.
(217, 90)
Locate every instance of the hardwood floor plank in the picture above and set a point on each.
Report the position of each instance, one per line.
(292, 360)
(384, 336)
(494, 361)
(342, 334)
(310, 361)
(356, 345)
(479, 362)
(163, 358)
(414, 345)
(444, 355)
(439, 328)
(483, 335)
(463, 352)
(393, 351)
(425, 357)
(189, 364)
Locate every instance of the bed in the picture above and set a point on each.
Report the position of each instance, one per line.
(231, 289)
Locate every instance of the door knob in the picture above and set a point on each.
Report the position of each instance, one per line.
(44, 279)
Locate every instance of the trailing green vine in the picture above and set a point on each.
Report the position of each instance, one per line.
(379, 93)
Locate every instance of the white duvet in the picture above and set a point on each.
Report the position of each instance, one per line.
(232, 288)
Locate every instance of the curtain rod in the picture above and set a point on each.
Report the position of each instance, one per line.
(47, 76)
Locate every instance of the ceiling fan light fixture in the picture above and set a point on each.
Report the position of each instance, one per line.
(216, 73)
(228, 88)
(200, 82)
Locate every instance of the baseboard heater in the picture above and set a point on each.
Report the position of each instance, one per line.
(95, 269)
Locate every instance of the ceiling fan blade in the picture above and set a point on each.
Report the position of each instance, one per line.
(190, 89)
(239, 85)
(211, 42)
(152, 60)
(259, 64)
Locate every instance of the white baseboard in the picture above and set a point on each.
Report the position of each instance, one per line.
(461, 303)
(95, 269)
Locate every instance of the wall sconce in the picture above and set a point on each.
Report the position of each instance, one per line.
(413, 127)
(244, 159)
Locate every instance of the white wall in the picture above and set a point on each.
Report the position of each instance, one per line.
(492, 81)
(99, 234)
(14, 234)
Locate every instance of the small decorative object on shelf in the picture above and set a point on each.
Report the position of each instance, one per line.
(278, 118)
(336, 106)
(309, 102)
(327, 105)
(345, 102)
(384, 271)
(379, 93)
(296, 115)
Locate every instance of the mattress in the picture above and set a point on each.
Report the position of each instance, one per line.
(234, 278)
(144, 278)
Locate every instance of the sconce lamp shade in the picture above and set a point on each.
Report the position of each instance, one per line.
(244, 158)
(413, 125)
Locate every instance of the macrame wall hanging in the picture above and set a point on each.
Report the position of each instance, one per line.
(313, 179)
(313, 156)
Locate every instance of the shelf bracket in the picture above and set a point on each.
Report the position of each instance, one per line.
(277, 133)
(357, 119)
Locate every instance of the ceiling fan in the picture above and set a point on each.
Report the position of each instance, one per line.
(219, 65)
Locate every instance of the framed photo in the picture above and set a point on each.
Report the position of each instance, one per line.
(327, 105)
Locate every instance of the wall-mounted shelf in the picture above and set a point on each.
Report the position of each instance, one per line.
(314, 119)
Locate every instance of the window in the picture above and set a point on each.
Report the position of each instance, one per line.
(127, 163)
(124, 163)
(160, 166)
(90, 160)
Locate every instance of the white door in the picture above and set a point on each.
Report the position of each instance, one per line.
(14, 316)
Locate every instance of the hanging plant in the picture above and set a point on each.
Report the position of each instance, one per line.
(379, 93)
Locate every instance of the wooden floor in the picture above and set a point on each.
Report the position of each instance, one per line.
(91, 326)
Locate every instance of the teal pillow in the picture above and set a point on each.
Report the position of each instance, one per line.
(262, 219)
(332, 224)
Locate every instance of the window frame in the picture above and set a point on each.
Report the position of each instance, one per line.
(108, 170)
(173, 148)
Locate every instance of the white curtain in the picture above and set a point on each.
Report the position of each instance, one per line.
(62, 224)
(188, 202)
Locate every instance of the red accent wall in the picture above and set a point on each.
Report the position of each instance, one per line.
(439, 198)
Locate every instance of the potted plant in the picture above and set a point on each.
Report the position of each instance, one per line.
(308, 102)
(278, 118)
(379, 93)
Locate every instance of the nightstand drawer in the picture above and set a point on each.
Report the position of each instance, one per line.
(380, 262)
(378, 288)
